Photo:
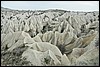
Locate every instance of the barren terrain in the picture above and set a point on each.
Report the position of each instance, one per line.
(49, 38)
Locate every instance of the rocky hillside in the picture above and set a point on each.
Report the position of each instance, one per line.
(49, 38)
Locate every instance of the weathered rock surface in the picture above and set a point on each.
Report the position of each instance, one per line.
(49, 38)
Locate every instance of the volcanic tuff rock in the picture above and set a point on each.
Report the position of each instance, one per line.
(49, 37)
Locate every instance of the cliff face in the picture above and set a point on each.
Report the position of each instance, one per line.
(49, 38)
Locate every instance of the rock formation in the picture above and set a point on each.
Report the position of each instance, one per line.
(49, 38)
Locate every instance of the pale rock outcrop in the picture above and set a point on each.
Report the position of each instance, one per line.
(38, 58)
(75, 54)
(37, 39)
(47, 36)
(44, 46)
(16, 39)
(80, 52)
(65, 61)
(75, 44)
(89, 58)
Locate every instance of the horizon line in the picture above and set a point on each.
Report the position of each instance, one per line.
(50, 9)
